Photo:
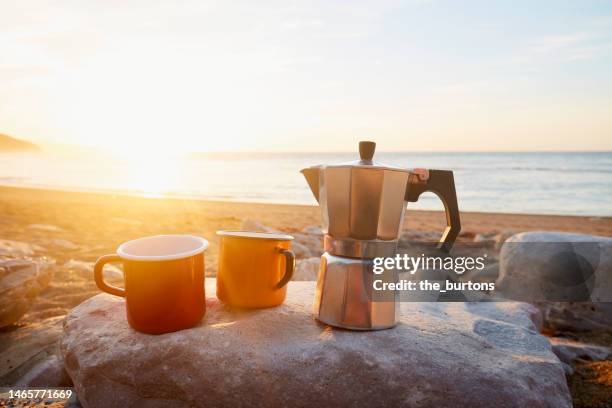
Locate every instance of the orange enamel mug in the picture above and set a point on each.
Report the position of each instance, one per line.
(164, 281)
(254, 268)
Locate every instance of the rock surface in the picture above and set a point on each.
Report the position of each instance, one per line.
(576, 316)
(49, 372)
(312, 238)
(495, 239)
(254, 225)
(554, 266)
(300, 250)
(21, 280)
(45, 227)
(570, 350)
(86, 268)
(569, 276)
(486, 354)
(17, 249)
(409, 237)
(25, 348)
(64, 244)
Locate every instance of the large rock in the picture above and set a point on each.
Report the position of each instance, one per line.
(568, 275)
(479, 354)
(21, 280)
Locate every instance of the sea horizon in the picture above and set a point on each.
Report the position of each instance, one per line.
(546, 183)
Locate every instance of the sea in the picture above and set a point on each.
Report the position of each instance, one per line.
(574, 183)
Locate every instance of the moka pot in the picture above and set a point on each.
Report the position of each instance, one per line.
(362, 208)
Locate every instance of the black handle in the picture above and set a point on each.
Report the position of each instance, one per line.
(442, 184)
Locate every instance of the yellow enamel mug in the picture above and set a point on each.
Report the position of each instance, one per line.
(254, 268)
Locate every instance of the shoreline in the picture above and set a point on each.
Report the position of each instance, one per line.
(164, 197)
(94, 224)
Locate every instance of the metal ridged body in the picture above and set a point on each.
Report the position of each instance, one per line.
(344, 295)
(362, 203)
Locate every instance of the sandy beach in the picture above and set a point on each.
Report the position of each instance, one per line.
(73, 229)
(97, 223)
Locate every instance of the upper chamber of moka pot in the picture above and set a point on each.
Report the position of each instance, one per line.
(364, 200)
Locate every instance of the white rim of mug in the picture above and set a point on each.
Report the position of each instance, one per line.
(179, 255)
(271, 236)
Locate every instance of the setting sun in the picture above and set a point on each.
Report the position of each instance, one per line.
(154, 175)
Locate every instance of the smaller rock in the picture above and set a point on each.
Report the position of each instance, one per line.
(253, 225)
(569, 370)
(307, 269)
(110, 271)
(577, 316)
(21, 280)
(64, 243)
(467, 234)
(48, 373)
(45, 227)
(502, 237)
(409, 237)
(27, 347)
(488, 274)
(126, 221)
(313, 242)
(486, 237)
(18, 249)
(312, 230)
(301, 251)
(493, 238)
(570, 350)
(557, 267)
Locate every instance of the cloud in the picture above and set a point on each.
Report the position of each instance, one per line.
(582, 45)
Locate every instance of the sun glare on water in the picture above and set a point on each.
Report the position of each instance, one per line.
(154, 175)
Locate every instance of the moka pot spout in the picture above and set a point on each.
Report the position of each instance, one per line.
(312, 177)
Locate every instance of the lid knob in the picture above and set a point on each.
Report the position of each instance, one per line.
(366, 150)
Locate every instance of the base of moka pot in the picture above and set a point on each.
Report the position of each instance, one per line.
(344, 295)
(355, 328)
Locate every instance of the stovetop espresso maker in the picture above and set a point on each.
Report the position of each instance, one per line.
(362, 205)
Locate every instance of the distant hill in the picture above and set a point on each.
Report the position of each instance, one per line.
(10, 144)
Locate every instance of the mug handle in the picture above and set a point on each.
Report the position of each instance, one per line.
(289, 266)
(99, 277)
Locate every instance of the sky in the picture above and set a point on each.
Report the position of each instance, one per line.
(307, 75)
